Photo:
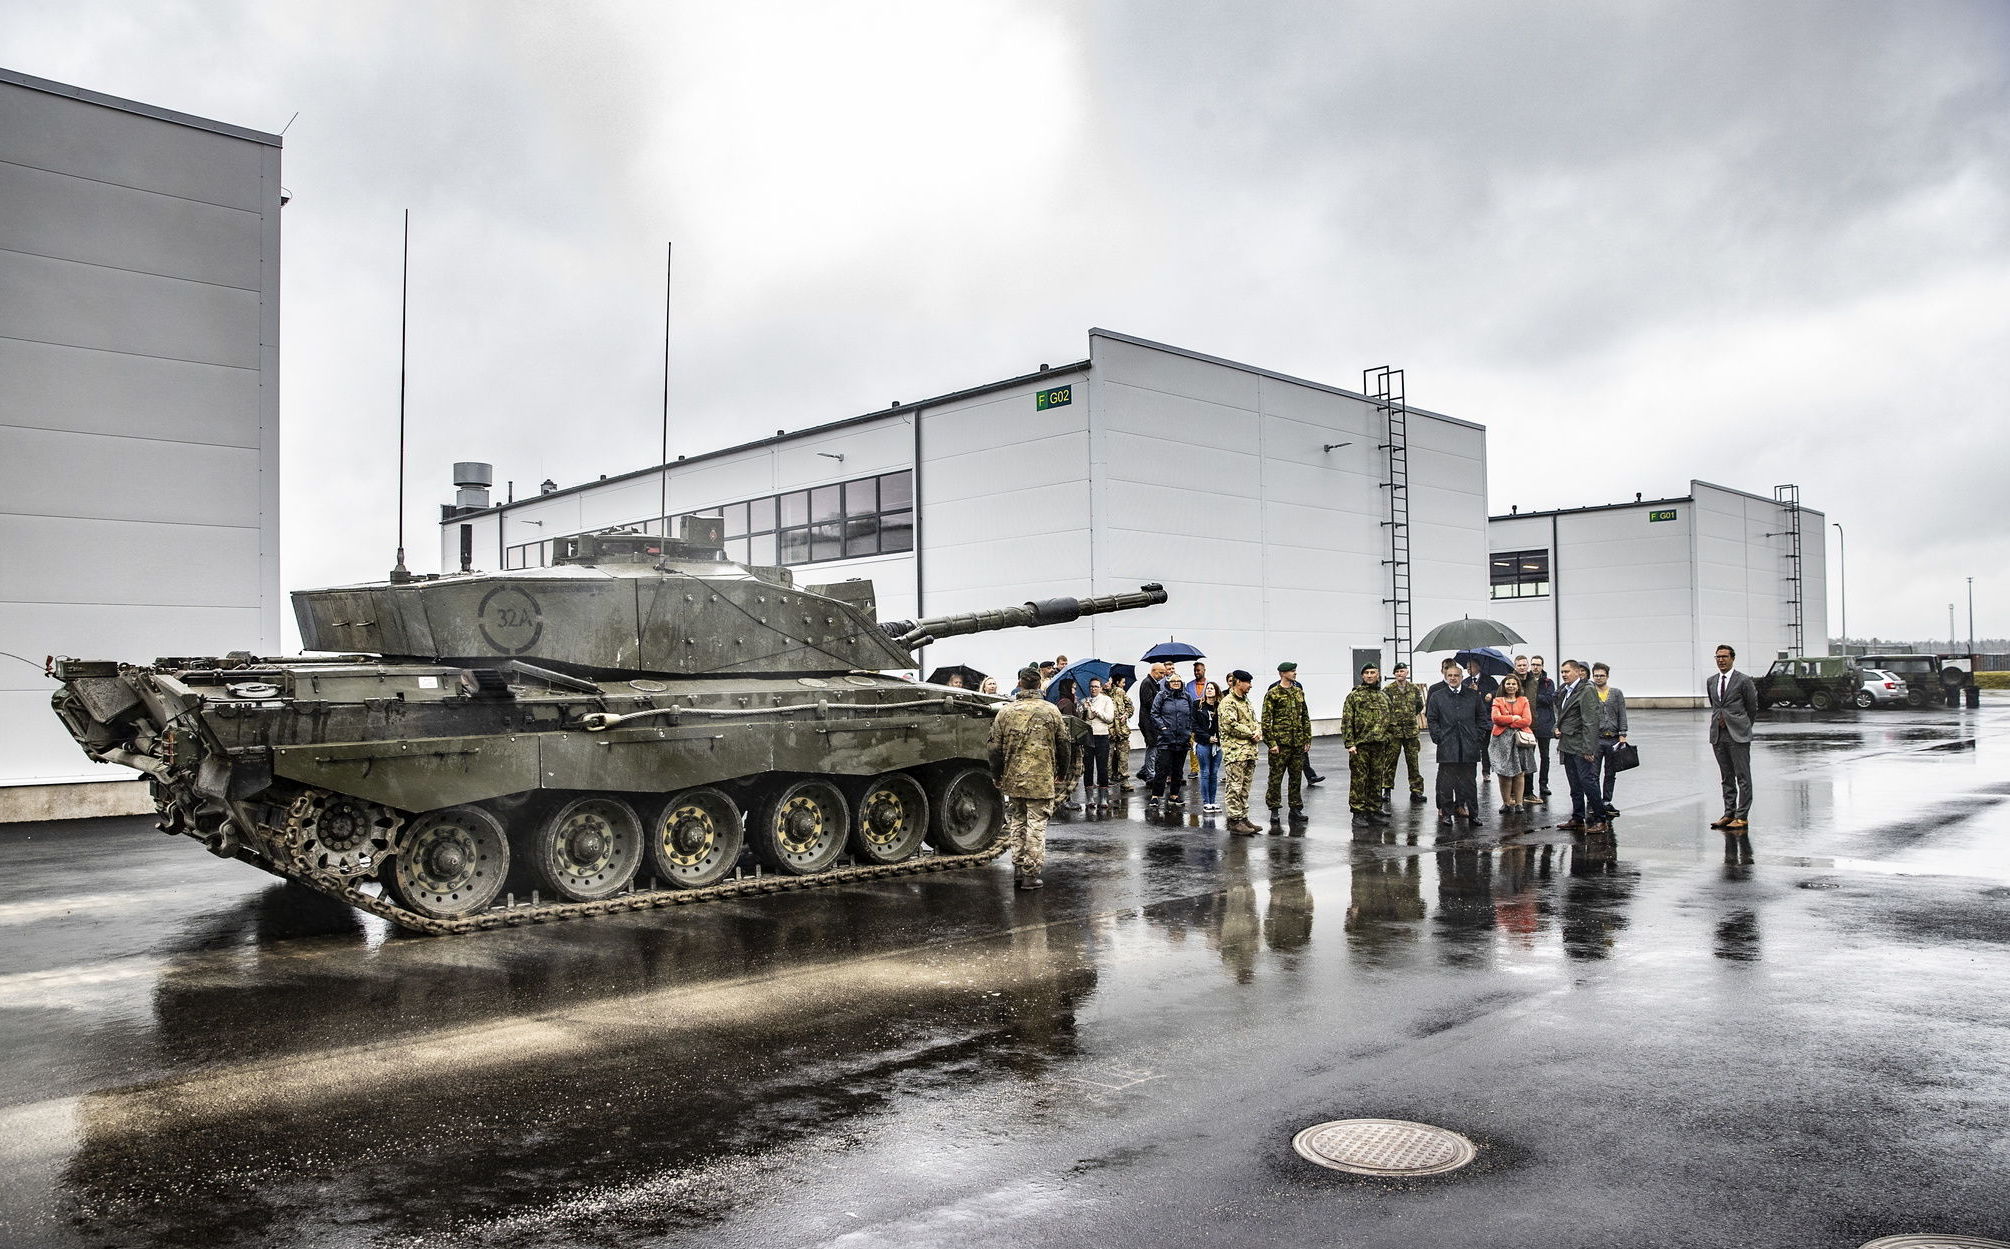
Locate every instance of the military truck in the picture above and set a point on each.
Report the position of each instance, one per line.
(1823, 682)
(642, 724)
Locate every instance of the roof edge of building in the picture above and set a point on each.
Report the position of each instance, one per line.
(87, 96)
(1593, 507)
(1743, 494)
(1260, 371)
(1059, 370)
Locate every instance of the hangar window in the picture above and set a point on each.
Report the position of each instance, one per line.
(865, 516)
(1519, 574)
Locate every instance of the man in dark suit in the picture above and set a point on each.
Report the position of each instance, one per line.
(1459, 721)
(1577, 746)
(1734, 704)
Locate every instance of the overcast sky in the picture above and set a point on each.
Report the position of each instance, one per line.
(1752, 243)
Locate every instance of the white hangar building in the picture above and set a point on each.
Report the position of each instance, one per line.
(1284, 517)
(1653, 586)
(139, 408)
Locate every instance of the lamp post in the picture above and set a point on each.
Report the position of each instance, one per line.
(1971, 615)
(1842, 566)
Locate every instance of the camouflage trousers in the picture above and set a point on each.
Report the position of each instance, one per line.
(1286, 760)
(1405, 751)
(1369, 768)
(1026, 833)
(1241, 775)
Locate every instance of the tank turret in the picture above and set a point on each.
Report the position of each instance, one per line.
(642, 724)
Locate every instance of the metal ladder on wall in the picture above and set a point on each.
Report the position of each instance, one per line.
(1384, 387)
(1789, 498)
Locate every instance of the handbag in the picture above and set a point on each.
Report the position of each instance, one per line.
(1523, 737)
(1625, 757)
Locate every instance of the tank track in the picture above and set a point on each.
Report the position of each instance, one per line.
(524, 913)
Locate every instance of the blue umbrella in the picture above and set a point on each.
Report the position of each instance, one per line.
(1494, 662)
(1175, 651)
(1080, 672)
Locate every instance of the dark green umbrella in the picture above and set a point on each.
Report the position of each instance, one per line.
(1468, 634)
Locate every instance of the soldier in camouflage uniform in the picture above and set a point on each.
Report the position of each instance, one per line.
(1406, 710)
(1120, 734)
(1364, 727)
(1240, 735)
(1287, 727)
(1029, 743)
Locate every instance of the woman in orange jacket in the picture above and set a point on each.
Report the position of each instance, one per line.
(1512, 760)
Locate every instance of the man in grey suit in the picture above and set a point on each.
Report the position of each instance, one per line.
(1577, 744)
(1734, 704)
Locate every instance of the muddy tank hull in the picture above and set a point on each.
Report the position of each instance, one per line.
(447, 799)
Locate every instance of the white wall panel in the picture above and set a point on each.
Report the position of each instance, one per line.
(1167, 457)
(1154, 414)
(958, 519)
(107, 478)
(70, 218)
(61, 560)
(1006, 565)
(1132, 556)
(51, 386)
(1183, 510)
(61, 301)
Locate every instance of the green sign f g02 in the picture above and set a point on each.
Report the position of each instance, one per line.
(1059, 397)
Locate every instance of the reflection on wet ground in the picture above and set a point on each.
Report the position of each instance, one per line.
(197, 1055)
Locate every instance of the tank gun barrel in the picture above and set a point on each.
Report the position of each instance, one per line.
(913, 633)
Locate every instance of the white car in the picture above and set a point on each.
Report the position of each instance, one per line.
(1880, 689)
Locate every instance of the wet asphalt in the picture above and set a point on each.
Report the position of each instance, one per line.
(1661, 1038)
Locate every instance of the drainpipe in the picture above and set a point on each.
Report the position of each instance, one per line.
(1555, 591)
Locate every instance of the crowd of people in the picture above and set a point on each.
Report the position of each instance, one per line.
(1068, 746)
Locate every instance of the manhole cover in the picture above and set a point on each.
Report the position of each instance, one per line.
(1934, 1240)
(1384, 1147)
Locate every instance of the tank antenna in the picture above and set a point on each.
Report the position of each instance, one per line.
(663, 471)
(398, 571)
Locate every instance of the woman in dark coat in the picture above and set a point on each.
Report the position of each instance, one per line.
(1172, 716)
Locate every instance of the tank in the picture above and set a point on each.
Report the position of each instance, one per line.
(642, 724)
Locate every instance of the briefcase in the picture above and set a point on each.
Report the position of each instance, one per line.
(1625, 756)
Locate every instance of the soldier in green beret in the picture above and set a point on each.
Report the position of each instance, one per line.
(1287, 727)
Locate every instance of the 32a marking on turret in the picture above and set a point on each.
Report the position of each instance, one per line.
(511, 620)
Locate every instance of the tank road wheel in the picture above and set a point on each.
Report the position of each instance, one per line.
(695, 839)
(452, 863)
(587, 849)
(892, 819)
(802, 828)
(969, 814)
(1822, 700)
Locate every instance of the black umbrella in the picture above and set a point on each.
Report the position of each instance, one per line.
(972, 678)
(1468, 634)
